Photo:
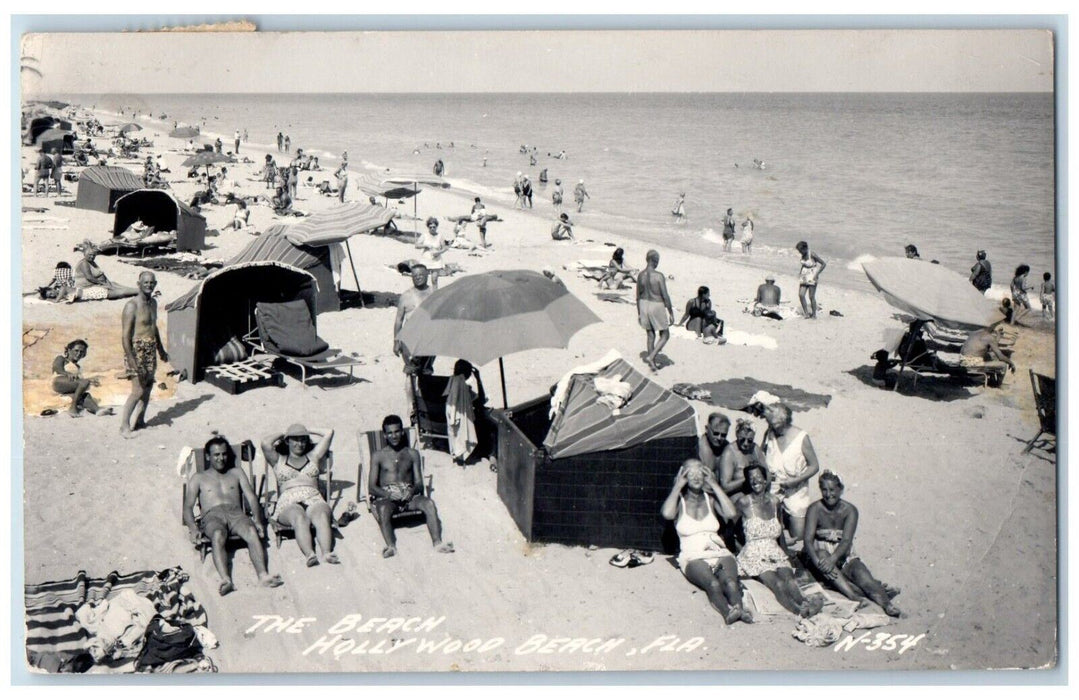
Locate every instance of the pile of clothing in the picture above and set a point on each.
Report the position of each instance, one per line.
(144, 622)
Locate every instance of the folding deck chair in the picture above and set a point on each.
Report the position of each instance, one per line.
(1045, 401)
(429, 407)
(925, 361)
(197, 463)
(282, 531)
(371, 441)
(286, 330)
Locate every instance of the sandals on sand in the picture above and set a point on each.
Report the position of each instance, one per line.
(631, 559)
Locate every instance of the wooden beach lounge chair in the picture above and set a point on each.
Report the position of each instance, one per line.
(371, 441)
(286, 330)
(1045, 401)
(429, 408)
(197, 463)
(282, 531)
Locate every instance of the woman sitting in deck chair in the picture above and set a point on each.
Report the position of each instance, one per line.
(292, 461)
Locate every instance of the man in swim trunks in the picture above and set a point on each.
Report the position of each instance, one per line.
(982, 351)
(395, 483)
(218, 490)
(652, 301)
(562, 229)
(142, 344)
(406, 304)
(767, 301)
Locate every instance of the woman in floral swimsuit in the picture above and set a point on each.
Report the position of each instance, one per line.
(293, 463)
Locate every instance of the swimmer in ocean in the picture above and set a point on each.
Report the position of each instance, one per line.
(679, 210)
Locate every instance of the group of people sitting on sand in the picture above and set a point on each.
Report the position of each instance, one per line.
(295, 458)
(87, 282)
(765, 488)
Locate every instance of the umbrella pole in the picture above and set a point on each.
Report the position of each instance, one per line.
(502, 373)
(354, 276)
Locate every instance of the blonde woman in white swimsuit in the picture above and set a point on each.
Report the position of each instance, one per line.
(792, 462)
(695, 504)
(812, 266)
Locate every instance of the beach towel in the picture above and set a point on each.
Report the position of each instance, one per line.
(54, 635)
(460, 418)
(558, 399)
(740, 392)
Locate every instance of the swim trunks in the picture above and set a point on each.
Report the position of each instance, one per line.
(971, 361)
(145, 351)
(652, 315)
(230, 518)
(399, 506)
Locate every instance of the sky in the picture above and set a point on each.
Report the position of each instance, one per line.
(541, 61)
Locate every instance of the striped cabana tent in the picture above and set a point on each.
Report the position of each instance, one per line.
(273, 245)
(591, 476)
(101, 185)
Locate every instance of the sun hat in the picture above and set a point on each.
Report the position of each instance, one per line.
(769, 278)
(297, 430)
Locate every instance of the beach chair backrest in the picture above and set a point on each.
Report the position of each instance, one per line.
(1045, 401)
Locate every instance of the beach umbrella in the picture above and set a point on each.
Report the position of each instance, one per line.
(400, 186)
(481, 317)
(338, 224)
(932, 293)
(184, 132)
(206, 159)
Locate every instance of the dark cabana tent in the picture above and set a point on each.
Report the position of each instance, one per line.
(222, 306)
(101, 185)
(591, 477)
(40, 125)
(55, 141)
(161, 209)
(273, 246)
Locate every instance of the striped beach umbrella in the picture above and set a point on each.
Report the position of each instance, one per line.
(482, 317)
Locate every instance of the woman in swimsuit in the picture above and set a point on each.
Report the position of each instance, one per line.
(812, 266)
(694, 503)
(293, 463)
(829, 547)
(764, 557)
(91, 281)
(792, 461)
(67, 379)
(702, 319)
(1020, 300)
(616, 271)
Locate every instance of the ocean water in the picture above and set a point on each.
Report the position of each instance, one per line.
(855, 175)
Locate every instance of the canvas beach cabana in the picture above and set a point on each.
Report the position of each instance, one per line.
(101, 185)
(591, 476)
(161, 209)
(222, 307)
(319, 261)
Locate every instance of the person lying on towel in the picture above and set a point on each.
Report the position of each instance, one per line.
(218, 491)
(395, 482)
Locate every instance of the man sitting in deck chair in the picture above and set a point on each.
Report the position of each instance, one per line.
(395, 482)
(982, 351)
(218, 491)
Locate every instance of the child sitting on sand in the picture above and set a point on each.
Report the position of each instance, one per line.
(829, 547)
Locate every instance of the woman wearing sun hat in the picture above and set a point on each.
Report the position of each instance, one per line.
(293, 462)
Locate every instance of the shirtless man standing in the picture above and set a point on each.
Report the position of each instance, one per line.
(395, 482)
(652, 300)
(406, 304)
(142, 345)
(217, 490)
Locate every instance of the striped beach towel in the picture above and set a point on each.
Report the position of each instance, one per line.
(51, 627)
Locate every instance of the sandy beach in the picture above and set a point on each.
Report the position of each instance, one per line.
(950, 510)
